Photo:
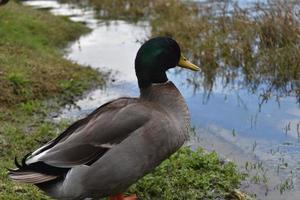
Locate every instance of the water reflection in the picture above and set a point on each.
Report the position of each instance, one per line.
(253, 47)
(111, 46)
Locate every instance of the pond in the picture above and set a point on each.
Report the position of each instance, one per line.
(261, 136)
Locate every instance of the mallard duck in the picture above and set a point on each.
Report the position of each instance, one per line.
(104, 153)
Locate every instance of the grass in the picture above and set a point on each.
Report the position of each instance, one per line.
(35, 80)
(190, 175)
(31, 60)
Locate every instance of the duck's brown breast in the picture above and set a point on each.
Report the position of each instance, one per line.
(170, 99)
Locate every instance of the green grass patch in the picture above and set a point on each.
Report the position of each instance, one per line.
(35, 80)
(189, 175)
(31, 62)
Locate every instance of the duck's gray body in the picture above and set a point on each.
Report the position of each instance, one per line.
(121, 141)
(113, 147)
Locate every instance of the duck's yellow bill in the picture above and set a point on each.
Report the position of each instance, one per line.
(183, 62)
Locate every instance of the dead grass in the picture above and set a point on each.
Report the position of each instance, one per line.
(262, 42)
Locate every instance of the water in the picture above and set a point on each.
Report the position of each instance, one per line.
(231, 121)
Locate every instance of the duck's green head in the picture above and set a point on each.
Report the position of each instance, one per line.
(155, 57)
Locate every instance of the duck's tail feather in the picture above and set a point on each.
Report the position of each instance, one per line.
(35, 173)
(30, 176)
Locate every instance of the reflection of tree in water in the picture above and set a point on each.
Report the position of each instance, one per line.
(257, 46)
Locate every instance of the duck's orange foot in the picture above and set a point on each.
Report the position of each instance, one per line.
(121, 197)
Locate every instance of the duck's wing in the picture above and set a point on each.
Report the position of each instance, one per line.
(88, 139)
